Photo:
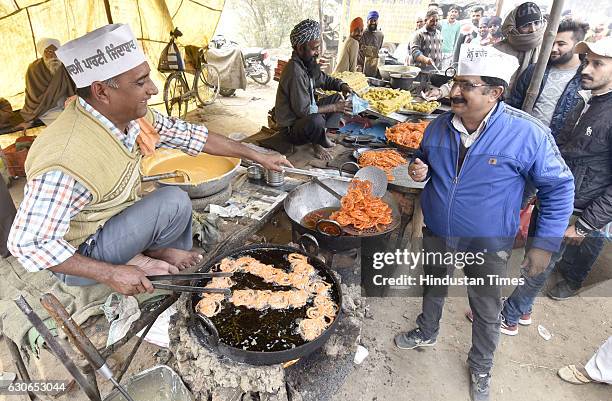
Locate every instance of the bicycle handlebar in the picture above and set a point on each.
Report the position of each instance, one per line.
(176, 33)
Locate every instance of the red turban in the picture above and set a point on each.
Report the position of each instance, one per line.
(356, 23)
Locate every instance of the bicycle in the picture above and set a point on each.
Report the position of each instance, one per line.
(178, 93)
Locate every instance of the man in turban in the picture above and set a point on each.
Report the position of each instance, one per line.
(371, 41)
(301, 118)
(350, 50)
(47, 84)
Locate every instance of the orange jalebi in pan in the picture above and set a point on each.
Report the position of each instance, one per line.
(361, 209)
(386, 160)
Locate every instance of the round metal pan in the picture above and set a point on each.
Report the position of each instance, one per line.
(195, 190)
(209, 336)
(309, 197)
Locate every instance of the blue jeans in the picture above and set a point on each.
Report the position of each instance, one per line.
(575, 261)
(578, 261)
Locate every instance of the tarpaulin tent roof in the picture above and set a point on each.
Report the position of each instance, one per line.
(24, 22)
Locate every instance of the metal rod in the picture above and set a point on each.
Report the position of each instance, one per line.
(315, 174)
(57, 349)
(138, 325)
(76, 334)
(188, 288)
(327, 188)
(21, 368)
(547, 43)
(192, 276)
(130, 357)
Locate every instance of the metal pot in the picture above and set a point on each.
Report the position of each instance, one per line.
(309, 197)
(194, 190)
(399, 81)
(208, 335)
(405, 70)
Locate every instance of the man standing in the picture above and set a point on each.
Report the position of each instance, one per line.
(301, 118)
(586, 145)
(47, 85)
(82, 217)
(477, 158)
(483, 32)
(370, 44)
(523, 29)
(426, 47)
(450, 34)
(350, 50)
(558, 94)
(468, 31)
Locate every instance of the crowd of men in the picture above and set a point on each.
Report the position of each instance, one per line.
(558, 158)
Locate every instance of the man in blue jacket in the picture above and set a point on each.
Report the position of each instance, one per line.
(477, 158)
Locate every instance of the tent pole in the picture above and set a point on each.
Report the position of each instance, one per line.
(107, 7)
(547, 43)
(498, 7)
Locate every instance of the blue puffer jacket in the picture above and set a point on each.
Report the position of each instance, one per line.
(479, 207)
(567, 102)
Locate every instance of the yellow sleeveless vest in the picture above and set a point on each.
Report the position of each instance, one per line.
(81, 146)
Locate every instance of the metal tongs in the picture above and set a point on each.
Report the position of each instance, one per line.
(188, 288)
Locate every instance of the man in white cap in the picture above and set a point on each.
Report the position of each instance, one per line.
(585, 142)
(82, 217)
(47, 84)
(477, 158)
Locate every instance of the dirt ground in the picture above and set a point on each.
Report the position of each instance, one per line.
(525, 365)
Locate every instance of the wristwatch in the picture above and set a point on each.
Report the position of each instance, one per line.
(580, 230)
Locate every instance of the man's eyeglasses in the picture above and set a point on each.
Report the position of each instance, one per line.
(467, 86)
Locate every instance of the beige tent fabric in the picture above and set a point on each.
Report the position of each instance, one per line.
(23, 22)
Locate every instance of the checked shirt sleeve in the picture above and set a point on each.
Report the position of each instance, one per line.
(37, 236)
(178, 134)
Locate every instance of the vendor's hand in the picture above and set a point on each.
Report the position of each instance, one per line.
(433, 94)
(128, 280)
(418, 170)
(427, 61)
(571, 237)
(346, 89)
(274, 161)
(536, 261)
(345, 106)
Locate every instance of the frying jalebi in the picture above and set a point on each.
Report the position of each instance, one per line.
(307, 286)
(386, 160)
(361, 209)
(407, 134)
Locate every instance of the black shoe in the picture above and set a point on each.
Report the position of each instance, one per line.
(479, 386)
(413, 339)
(562, 291)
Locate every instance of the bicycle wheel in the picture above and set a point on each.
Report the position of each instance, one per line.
(176, 95)
(262, 74)
(207, 84)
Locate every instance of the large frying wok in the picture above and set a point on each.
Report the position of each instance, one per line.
(209, 336)
(309, 197)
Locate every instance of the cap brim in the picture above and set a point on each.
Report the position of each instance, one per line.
(582, 47)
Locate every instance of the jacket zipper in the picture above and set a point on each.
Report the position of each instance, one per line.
(457, 175)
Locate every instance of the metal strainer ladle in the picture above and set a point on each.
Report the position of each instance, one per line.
(376, 176)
